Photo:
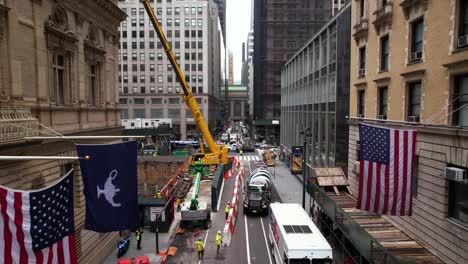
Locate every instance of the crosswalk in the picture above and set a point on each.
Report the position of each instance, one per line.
(248, 157)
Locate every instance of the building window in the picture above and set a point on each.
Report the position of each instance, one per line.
(124, 114)
(200, 22)
(417, 29)
(142, 22)
(169, 11)
(157, 113)
(460, 97)
(463, 24)
(177, 11)
(384, 53)
(194, 10)
(383, 102)
(139, 101)
(160, 56)
(160, 78)
(156, 101)
(139, 113)
(458, 201)
(59, 78)
(362, 61)
(361, 103)
(177, 22)
(134, 11)
(142, 89)
(187, 11)
(199, 10)
(160, 67)
(93, 85)
(414, 101)
(152, 89)
(186, 22)
(173, 113)
(173, 100)
(152, 67)
(362, 8)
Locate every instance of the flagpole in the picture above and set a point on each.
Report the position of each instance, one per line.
(43, 158)
(83, 137)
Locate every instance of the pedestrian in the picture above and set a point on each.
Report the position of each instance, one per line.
(200, 248)
(226, 210)
(138, 233)
(219, 241)
(178, 204)
(241, 152)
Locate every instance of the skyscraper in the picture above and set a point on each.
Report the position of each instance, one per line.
(222, 16)
(149, 88)
(280, 29)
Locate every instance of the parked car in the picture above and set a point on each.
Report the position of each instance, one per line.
(150, 149)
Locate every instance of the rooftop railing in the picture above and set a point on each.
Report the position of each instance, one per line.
(17, 123)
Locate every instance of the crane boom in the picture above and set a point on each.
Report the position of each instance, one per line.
(187, 94)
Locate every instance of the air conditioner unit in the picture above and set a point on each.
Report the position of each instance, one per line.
(382, 116)
(462, 41)
(415, 56)
(362, 72)
(456, 174)
(414, 119)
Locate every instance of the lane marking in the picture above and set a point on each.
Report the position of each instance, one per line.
(220, 194)
(204, 242)
(246, 239)
(266, 243)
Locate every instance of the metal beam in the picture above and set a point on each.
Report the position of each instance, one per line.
(43, 158)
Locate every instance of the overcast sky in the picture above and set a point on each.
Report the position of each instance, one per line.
(237, 28)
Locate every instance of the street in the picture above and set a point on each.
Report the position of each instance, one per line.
(249, 242)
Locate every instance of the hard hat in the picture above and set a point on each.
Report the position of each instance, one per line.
(229, 203)
(199, 238)
(219, 232)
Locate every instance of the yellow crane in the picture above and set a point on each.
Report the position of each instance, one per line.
(217, 153)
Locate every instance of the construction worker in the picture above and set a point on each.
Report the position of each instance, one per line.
(219, 241)
(200, 248)
(178, 201)
(138, 233)
(159, 194)
(226, 210)
(241, 152)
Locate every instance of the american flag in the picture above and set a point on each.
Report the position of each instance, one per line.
(37, 226)
(386, 168)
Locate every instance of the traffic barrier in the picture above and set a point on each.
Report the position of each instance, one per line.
(232, 216)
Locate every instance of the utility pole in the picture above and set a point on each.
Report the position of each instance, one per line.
(305, 132)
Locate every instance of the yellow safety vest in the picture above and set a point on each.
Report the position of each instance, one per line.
(226, 210)
(199, 245)
(137, 235)
(219, 239)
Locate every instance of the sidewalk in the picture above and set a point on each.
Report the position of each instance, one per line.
(288, 186)
(148, 244)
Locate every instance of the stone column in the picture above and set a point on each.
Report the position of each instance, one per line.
(183, 123)
(242, 110)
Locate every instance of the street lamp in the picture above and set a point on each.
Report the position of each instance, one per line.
(305, 132)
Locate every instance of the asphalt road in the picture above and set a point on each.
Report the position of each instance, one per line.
(249, 244)
(255, 249)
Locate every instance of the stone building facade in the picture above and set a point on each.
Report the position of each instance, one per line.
(58, 74)
(409, 70)
(238, 104)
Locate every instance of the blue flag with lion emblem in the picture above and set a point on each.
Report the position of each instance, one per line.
(110, 186)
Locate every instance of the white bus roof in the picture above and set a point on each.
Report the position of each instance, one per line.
(292, 222)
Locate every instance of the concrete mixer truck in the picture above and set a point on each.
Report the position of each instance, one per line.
(257, 192)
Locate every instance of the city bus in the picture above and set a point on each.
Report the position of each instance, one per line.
(294, 238)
